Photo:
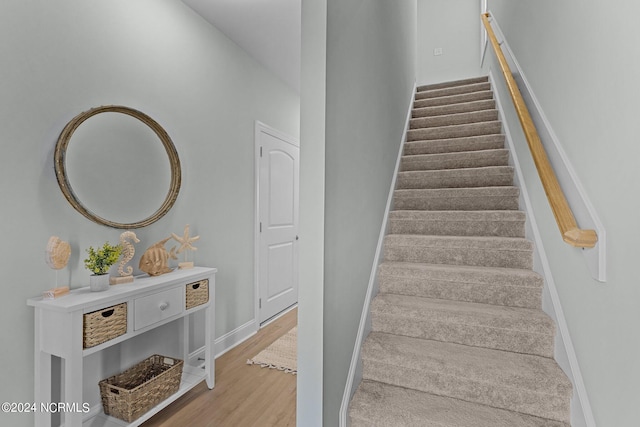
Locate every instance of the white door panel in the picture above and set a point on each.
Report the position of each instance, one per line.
(280, 278)
(281, 198)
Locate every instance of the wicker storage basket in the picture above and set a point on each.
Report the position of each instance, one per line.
(129, 395)
(197, 294)
(104, 325)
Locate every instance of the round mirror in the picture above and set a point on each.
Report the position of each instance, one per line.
(114, 171)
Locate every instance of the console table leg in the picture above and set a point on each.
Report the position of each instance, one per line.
(209, 356)
(73, 375)
(42, 375)
(72, 368)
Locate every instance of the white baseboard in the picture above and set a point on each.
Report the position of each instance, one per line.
(195, 357)
(564, 353)
(279, 315)
(352, 376)
(235, 337)
(93, 411)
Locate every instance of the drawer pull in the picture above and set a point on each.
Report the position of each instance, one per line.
(196, 286)
(108, 313)
(163, 306)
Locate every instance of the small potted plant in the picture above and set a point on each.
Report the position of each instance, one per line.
(99, 262)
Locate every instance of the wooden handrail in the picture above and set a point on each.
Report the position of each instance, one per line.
(571, 234)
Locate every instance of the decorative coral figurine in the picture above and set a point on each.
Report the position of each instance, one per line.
(57, 253)
(57, 257)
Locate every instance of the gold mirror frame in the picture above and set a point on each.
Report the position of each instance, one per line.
(65, 186)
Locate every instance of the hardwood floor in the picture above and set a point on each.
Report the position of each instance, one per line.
(244, 395)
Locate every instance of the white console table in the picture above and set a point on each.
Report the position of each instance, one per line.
(150, 302)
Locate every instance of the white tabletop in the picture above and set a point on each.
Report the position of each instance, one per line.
(84, 297)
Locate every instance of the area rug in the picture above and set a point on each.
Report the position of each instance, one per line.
(281, 355)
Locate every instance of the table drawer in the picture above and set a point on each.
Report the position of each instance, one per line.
(103, 325)
(157, 307)
(197, 294)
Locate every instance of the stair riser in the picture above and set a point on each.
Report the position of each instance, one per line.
(510, 296)
(435, 203)
(549, 406)
(455, 145)
(456, 90)
(454, 83)
(456, 179)
(378, 404)
(485, 257)
(454, 119)
(457, 131)
(450, 330)
(455, 99)
(454, 161)
(465, 107)
(458, 228)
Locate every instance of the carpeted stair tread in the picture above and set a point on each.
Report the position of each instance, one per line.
(377, 404)
(459, 337)
(454, 119)
(461, 82)
(455, 131)
(454, 178)
(452, 145)
(458, 223)
(463, 107)
(443, 199)
(521, 330)
(453, 90)
(523, 383)
(453, 99)
(458, 160)
(487, 285)
(510, 252)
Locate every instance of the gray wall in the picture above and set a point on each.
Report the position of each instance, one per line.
(454, 26)
(312, 153)
(60, 58)
(582, 61)
(370, 74)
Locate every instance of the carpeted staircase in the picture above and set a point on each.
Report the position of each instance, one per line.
(458, 336)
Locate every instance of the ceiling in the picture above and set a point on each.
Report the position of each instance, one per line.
(269, 30)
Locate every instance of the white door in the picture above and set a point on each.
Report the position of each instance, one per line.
(278, 162)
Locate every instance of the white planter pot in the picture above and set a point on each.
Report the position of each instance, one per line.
(99, 282)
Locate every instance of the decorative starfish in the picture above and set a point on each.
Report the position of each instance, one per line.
(185, 241)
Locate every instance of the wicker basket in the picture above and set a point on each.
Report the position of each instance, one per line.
(197, 294)
(104, 325)
(131, 394)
